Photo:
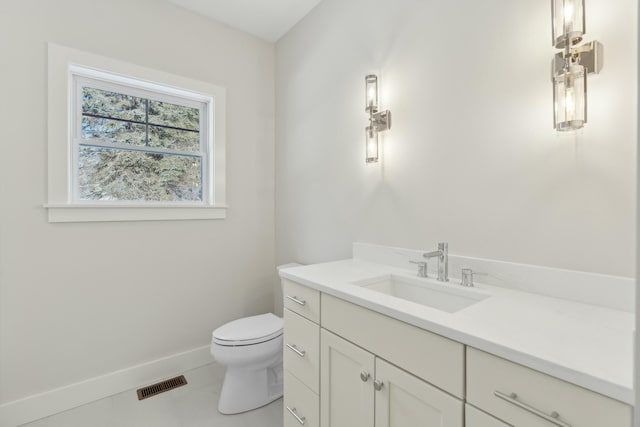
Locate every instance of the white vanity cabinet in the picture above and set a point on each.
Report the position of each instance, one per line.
(361, 389)
(348, 365)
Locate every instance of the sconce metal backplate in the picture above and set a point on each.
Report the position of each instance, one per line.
(590, 55)
(381, 120)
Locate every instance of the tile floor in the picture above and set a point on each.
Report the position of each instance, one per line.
(193, 405)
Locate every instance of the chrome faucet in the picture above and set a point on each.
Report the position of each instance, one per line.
(443, 261)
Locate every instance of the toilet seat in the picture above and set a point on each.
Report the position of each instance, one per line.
(249, 330)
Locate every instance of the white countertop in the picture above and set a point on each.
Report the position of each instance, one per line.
(587, 345)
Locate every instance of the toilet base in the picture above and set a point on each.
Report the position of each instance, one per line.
(244, 390)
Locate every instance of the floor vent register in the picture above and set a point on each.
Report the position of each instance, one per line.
(161, 387)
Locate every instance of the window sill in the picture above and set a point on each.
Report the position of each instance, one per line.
(134, 212)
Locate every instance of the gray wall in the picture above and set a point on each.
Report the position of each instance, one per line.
(636, 412)
(472, 158)
(82, 300)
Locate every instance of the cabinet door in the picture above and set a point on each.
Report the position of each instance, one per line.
(404, 400)
(346, 386)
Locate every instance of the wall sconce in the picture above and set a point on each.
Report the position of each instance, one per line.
(570, 67)
(378, 120)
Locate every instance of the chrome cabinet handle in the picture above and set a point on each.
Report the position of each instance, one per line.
(296, 300)
(377, 384)
(293, 412)
(364, 376)
(300, 353)
(553, 418)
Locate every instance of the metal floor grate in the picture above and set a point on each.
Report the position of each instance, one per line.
(161, 387)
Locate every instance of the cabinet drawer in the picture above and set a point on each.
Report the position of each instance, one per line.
(475, 418)
(302, 300)
(431, 357)
(488, 375)
(302, 349)
(301, 405)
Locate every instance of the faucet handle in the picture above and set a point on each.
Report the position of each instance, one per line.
(422, 268)
(467, 277)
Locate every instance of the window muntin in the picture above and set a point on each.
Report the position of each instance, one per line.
(138, 145)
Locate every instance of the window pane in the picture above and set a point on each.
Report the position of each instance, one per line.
(113, 131)
(110, 174)
(111, 104)
(183, 140)
(177, 116)
(120, 118)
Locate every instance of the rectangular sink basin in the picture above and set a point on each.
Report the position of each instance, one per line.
(448, 296)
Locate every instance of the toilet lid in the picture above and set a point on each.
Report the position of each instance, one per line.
(249, 330)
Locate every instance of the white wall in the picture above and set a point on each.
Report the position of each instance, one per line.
(471, 158)
(636, 370)
(82, 300)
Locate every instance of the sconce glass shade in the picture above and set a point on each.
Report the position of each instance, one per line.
(371, 93)
(567, 22)
(371, 140)
(570, 98)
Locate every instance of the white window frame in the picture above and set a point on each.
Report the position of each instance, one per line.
(69, 68)
(83, 77)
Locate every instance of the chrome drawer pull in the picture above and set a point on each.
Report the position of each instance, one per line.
(296, 300)
(364, 376)
(300, 353)
(377, 384)
(292, 411)
(512, 398)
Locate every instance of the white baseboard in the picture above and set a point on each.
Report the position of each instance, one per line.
(41, 405)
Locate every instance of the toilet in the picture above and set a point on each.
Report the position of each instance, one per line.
(251, 349)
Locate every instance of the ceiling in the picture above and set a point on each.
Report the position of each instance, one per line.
(266, 19)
